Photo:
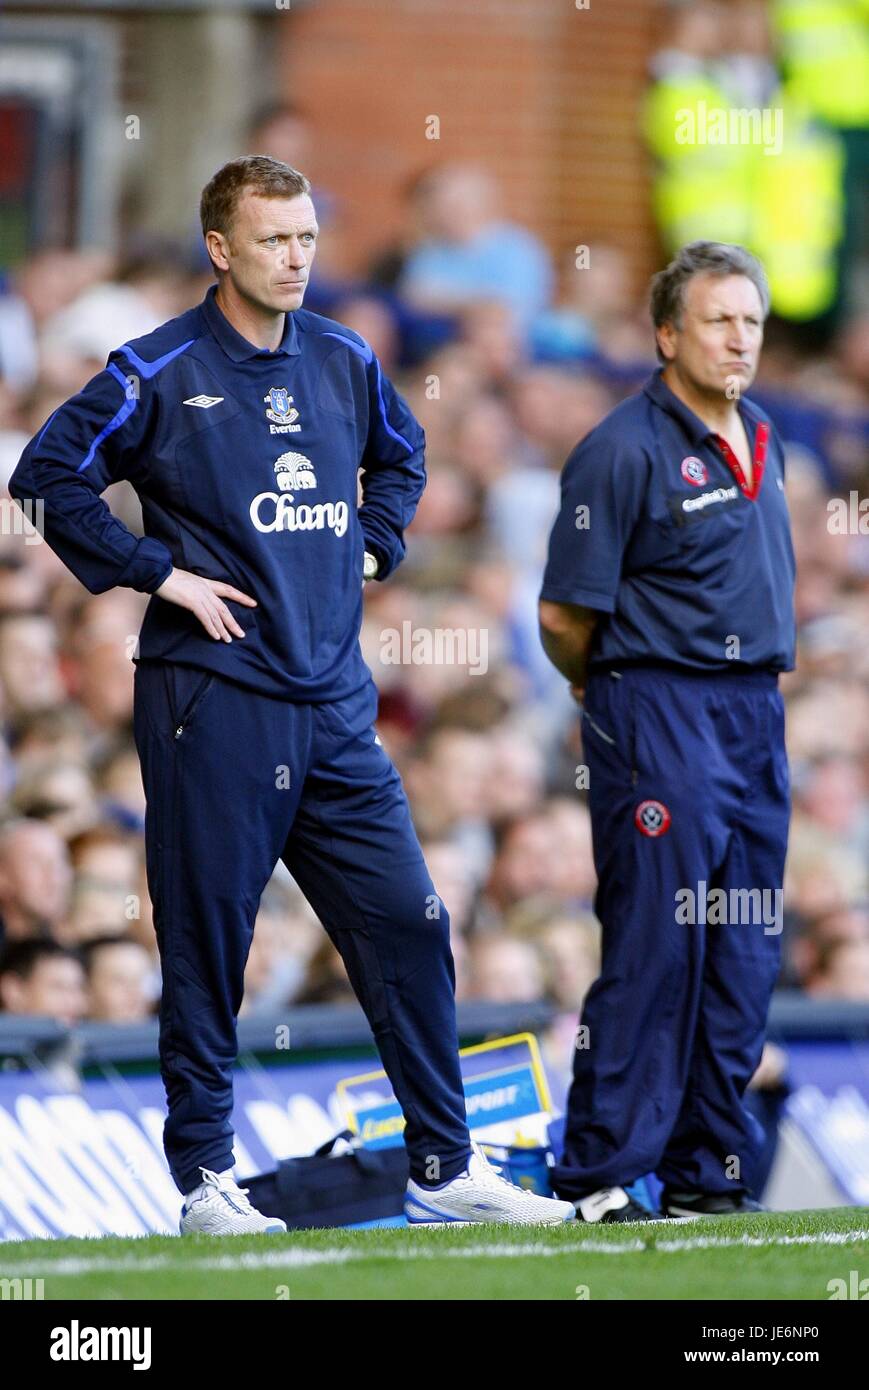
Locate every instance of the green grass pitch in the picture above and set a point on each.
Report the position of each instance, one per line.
(792, 1255)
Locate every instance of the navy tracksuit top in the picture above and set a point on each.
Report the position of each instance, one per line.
(656, 532)
(246, 462)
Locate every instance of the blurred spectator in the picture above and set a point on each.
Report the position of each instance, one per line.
(453, 878)
(570, 951)
(525, 862)
(30, 676)
(22, 588)
(446, 781)
(119, 783)
(43, 286)
(62, 794)
(372, 320)
(842, 971)
(103, 675)
(568, 944)
(56, 734)
(145, 290)
(35, 881)
(811, 940)
(106, 864)
(119, 980)
(831, 794)
(506, 971)
(326, 979)
(594, 311)
(286, 939)
(574, 879)
(43, 979)
(464, 251)
(555, 407)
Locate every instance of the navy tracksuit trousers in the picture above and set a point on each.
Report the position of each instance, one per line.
(688, 790)
(235, 780)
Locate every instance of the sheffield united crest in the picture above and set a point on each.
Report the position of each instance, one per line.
(652, 818)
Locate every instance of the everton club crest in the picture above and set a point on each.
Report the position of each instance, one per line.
(281, 411)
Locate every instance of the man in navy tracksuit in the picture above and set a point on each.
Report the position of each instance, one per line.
(243, 425)
(667, 603)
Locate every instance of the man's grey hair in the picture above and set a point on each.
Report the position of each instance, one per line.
(667, 296)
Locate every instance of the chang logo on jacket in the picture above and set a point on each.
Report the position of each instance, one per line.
(280, 410)
(278, 511)
(294, 471)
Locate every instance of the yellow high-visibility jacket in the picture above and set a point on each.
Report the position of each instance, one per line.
(798, 213)
(701, 191)
(824, 47)
(785, 206)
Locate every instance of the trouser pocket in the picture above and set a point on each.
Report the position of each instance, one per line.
(188, 688)
(608, 721)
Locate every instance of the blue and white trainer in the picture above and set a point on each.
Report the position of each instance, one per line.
(219, 1207)
(481, 1194)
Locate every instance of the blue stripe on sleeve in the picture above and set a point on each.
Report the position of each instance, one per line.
(145, 369)
(126, 410)
(149, 369)
(364, 351)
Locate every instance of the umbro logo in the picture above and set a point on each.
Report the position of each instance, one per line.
(204, 402)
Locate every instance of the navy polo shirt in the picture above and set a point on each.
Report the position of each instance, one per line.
(246, 462)
(659, 531)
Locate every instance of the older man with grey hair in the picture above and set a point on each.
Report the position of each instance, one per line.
(667, 603)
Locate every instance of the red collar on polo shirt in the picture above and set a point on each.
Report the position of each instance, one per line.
(761, 439)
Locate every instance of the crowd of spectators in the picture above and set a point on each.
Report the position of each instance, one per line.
(507, 360)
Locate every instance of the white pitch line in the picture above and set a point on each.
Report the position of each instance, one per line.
(723, 1242)
(297, 1259)
(301, 1259)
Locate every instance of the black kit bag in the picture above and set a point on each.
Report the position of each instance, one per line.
(324, 1190)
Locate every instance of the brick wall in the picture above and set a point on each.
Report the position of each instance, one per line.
(541, 92)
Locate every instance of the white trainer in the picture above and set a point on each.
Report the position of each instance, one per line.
(480, 1194)
(219, 1207)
